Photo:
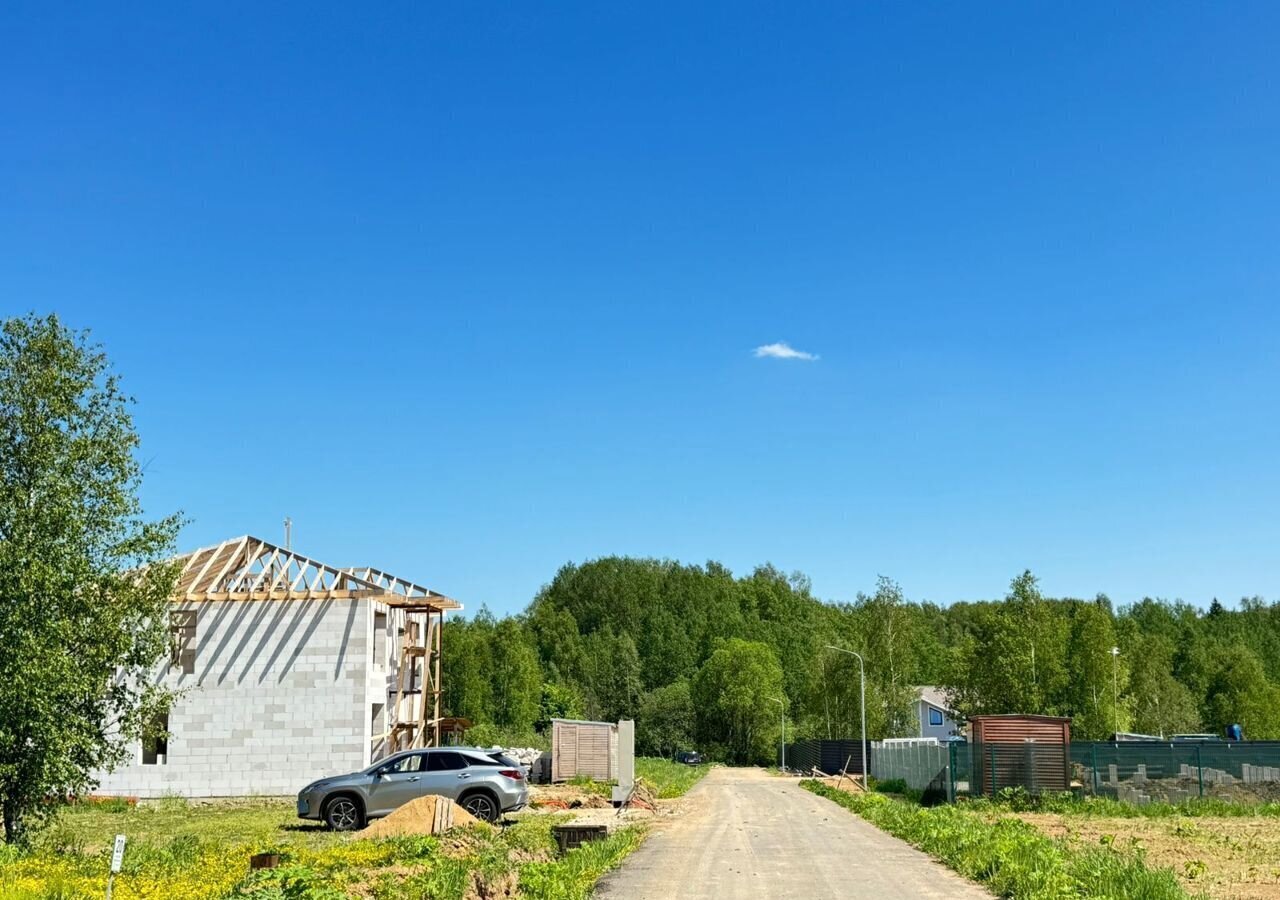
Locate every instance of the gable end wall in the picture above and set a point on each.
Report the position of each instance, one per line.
(280, 696)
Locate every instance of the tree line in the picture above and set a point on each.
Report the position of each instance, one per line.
(699, 657)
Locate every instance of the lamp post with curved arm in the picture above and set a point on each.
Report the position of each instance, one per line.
(782, 742)
(862, 675)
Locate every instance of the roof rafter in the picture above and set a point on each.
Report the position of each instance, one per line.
(249, 568)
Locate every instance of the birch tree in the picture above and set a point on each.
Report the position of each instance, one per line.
(83, 591)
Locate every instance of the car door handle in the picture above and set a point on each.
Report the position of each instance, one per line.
(413, 778)
(465, 775)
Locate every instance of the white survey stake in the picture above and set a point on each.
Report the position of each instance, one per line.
(117, 855)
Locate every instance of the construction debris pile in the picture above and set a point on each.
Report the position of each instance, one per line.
(526, 756)
(1260, 784)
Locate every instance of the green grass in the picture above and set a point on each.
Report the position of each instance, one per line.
(1067, 804)
(1010, 857)
(898, 787)
(591, 786)
(573, 876)
(179, 851)
(665, 778)
(224, 821)
(669, 779)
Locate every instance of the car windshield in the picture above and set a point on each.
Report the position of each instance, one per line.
(505, 760)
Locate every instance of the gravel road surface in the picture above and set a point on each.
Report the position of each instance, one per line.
(747, 834)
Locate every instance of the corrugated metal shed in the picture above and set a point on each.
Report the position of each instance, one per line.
(583, 748)
(1021, 750)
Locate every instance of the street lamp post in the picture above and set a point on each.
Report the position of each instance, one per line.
(1115, 688)
(862, 675)
(782, 741)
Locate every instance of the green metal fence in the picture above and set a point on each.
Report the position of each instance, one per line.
(1130, 771)
(1174, 771)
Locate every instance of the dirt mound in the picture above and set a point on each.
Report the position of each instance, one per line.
(844, 783)
(558, 797)
(591, 801)
(426, 815)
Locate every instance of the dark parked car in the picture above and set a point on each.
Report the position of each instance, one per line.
(689, 758)
(484, 784)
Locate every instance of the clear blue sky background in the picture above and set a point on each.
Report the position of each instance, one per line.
(471, 291)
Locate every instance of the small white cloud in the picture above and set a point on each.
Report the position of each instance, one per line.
(782, 350)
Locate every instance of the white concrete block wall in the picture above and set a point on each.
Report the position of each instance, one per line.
(280, 696)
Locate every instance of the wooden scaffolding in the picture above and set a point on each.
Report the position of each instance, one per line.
(415, 711)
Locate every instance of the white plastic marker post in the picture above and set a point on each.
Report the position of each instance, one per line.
(117, 859)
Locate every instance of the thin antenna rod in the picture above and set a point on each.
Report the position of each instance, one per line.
(288, 533)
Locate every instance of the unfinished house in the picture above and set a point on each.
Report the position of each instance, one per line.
(288, 670)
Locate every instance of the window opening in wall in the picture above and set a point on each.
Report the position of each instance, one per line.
(378, 725)
(935, 716)
(182, 641)
(379, 639)
(155, 743)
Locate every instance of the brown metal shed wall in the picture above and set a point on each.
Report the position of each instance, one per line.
(1016, 729)
(1026, 751)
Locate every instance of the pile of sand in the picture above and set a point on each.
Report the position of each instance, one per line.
(850, 784)
(426, 815)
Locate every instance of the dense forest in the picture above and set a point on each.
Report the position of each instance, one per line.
(699, 658)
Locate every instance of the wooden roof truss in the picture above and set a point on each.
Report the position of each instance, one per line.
(249, 568)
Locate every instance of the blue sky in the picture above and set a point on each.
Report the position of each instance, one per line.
(472, 292)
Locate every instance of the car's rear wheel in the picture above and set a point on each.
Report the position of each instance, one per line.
(343, 813)
(482, 806)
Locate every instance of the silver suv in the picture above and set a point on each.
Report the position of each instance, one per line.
(484, 783)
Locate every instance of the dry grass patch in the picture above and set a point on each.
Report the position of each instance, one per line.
(1236, 857)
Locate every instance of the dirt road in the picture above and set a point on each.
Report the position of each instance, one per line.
(747, 834)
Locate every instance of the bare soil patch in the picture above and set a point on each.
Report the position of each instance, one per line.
(846, 784)
(589, 808)
(1227, 858)
(553, 798)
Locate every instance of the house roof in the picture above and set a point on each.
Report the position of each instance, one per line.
(934, 696)
(249, 568)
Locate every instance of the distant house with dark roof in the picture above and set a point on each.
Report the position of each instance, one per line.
(933, 713)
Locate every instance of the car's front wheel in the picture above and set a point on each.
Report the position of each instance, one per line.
(343, 813)
(482, 806)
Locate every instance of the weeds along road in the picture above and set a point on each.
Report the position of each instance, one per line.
(747, 834)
